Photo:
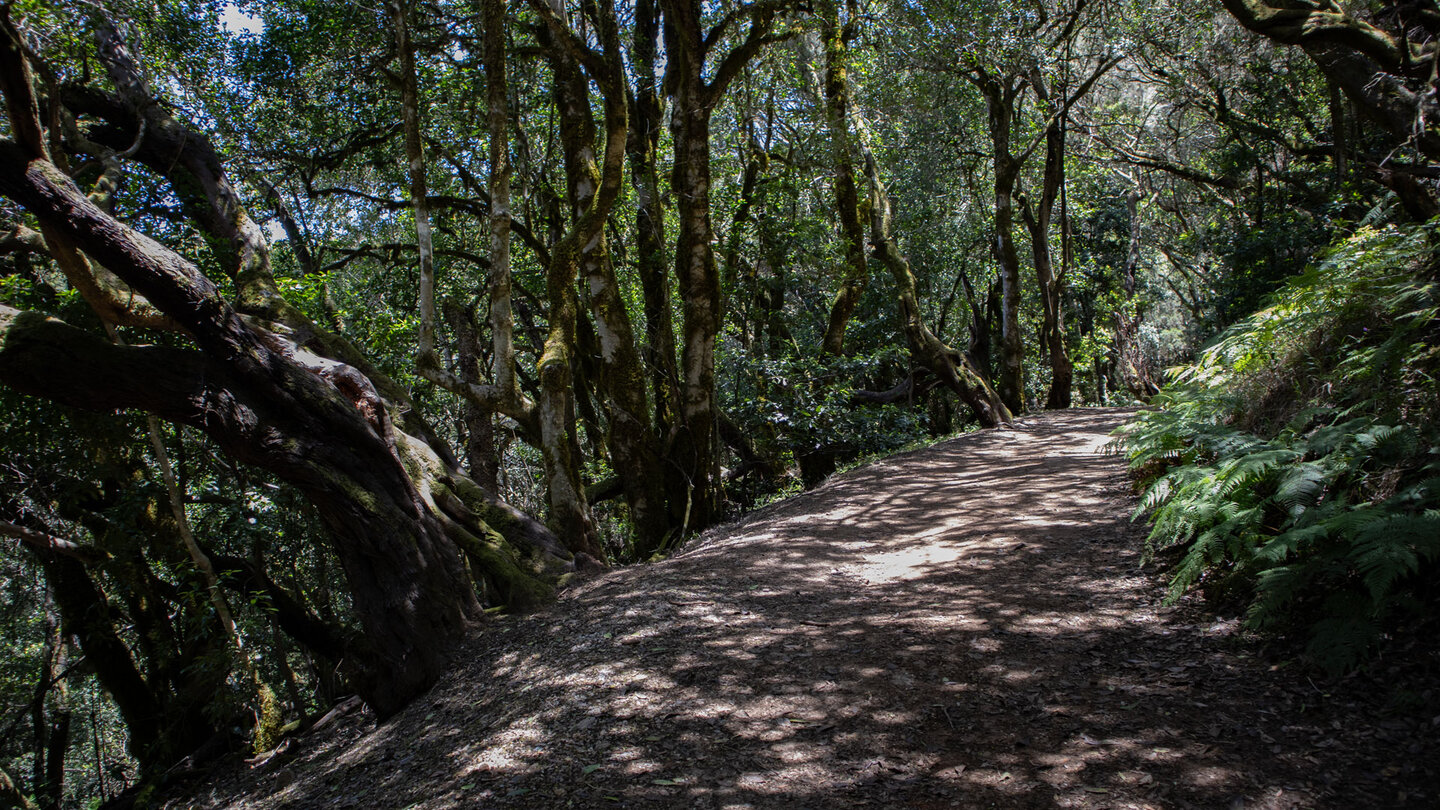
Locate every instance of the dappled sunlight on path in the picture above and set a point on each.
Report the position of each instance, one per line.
(959, 626)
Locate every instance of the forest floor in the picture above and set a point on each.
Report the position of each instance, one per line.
(966, 625)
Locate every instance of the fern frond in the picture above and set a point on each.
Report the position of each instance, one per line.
(1248, 470)
(1301, 487)
(1329, 509)
(1381, 562)
(1283, 546)
(1389, 549)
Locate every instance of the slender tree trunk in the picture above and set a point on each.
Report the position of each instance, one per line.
(502, 324)
(644, 146)
(772, 282)
(581, 249)
(1000, 103)
(554, 412)
(1339, 134)
(756, 162)
(425, 356)
(979, 327)
(1130, 362)
(635, 454)
(51, 715)
(847, 200)
(693, 452)
(569, 512)
(953, 368)
(481, 458)
(83, 610)
(1037, 222)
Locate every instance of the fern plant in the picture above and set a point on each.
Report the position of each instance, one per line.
(1295, 466)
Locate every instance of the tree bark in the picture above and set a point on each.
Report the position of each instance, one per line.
(1388, 77)
(1000, 97)
(1037, 222)
(425, 356)
(756, 162)
(694, 450)
(955, 369)
(481, 459)
(693, 453)
(634, 451)
(593, 194)
(502, 324)
(198, 179)
(847, 200)
(1374, 67)
(331, 437)
(644, 147)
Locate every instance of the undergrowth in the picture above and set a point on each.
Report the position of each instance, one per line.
(1295, 468)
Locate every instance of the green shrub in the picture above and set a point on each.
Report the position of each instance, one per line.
(1295, 468)
(800, 405)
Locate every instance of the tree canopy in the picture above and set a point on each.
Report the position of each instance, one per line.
(326, 330)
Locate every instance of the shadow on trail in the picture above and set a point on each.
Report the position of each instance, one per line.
(959, 626)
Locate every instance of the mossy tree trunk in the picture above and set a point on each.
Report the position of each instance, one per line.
(1385, 65)
(695, 495)
(634, 449)
(1001, 93)
(1037, 219)
(397, 506)
(953, 368)
(644, 148)
(848, 205)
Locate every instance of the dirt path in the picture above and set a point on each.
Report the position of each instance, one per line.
(961, 626)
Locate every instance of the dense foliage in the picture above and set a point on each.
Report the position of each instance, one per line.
(1295, 468)
(326, 328)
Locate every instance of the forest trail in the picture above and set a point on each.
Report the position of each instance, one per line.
(960, 626)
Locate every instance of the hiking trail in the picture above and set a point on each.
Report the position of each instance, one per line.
(965, 625)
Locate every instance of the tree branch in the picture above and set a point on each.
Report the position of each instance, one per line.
(1146, 160)
(594, 63)
(1064, 108)
(46, 543)
(1298, 22)
(765, 7)
(298, 621)
(761, 20)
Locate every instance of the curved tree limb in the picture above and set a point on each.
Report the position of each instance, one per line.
(45, 543)
(1386, 77)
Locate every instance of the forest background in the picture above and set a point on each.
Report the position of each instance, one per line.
(326, 328)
